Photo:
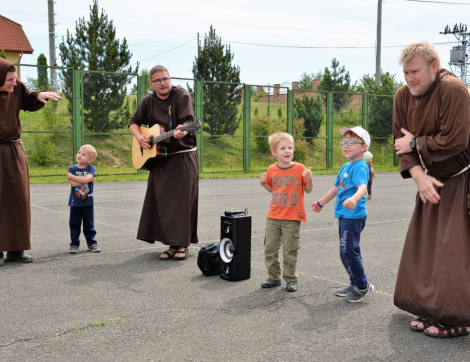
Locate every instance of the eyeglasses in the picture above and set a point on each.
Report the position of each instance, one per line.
(160, 81)
(350, 143)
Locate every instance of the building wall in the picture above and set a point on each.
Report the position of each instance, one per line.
(281, 98)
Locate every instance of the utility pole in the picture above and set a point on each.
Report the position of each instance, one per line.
(52, 60)
(459, 60)
(379, 42)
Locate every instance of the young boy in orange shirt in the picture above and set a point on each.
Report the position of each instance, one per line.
(287, 181)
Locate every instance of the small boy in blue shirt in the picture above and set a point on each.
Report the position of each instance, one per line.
(81, 177)
(350, 190)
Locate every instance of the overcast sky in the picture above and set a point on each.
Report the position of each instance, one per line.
(273, 41)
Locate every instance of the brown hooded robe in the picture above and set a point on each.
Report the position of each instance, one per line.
(15, 212)
(433, 279)
(170, 210)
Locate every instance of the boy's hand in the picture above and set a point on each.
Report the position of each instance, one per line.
(263, 178)
(349, 204)
(315, 207)
(307, 174)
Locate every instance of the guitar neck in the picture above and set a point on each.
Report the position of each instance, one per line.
(162, 137)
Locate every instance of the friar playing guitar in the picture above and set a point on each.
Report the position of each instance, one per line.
(141, 158)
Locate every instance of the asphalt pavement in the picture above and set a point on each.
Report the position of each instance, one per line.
(124, 304)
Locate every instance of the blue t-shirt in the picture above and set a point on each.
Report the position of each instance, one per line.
(81, 196)
(350, 176)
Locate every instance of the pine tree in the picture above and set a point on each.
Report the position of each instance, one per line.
(222, 91)
(43, 79)
(311, 110)
(381, 102)
(338, 81)
(96, 48)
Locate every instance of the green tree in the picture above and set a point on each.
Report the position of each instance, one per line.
(338, 81)
(306, 80)
(43, 79)
(222, 91)
(311, 110)
(381, 102)
(95, 47)
(3, 54)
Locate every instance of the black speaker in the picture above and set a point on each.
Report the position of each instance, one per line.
(235, 246)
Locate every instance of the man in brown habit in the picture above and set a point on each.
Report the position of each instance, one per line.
(170, 210)
(15, 211)
(431, 128)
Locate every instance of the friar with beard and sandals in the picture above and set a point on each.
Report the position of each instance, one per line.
(431, 129)
(170, 210)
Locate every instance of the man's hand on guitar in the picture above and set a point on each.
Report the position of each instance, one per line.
(178, 133)
(143, 141)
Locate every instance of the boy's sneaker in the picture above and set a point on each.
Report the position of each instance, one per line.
(73, 250)
(292, 286)
(356, 294)
(94, 248)
(343, 291)
(269, 283)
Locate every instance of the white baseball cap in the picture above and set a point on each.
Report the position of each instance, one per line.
(358, 131)
(368, 155)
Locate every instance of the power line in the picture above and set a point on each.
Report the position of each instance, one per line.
(320, 47)
(438, 2)
(169, 50)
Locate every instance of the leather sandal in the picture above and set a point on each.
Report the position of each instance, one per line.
(184, 251)
(447, 331)
(426, 324)
(169, 255)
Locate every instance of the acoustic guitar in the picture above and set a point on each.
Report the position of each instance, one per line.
(141, 158)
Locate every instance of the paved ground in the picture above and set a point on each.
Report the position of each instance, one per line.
(124, 304)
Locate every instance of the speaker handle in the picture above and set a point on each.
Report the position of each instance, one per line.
(236, 213)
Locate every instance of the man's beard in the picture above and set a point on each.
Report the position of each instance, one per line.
(423, 85)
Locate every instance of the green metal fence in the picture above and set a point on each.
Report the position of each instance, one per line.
(237, 120)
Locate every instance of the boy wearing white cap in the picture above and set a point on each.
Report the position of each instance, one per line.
(368, 157)
(350, 190)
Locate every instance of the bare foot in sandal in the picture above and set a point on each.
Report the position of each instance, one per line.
(168, 254)
(420, 324)
(445, 331)
(182, 253)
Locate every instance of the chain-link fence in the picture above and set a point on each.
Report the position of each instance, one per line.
(237, 120)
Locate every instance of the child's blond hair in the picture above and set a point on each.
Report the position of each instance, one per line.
(277, 137)
(91, 151)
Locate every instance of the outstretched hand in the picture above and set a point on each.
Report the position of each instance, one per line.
(45, 96)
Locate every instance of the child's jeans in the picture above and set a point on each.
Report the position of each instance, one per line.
(285, 233)
(350, 251)
(77, 214)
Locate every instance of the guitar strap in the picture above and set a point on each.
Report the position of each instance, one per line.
(170, 118)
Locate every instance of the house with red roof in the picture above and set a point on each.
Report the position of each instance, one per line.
(13, 40)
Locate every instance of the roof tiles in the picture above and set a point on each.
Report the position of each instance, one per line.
(13, 38)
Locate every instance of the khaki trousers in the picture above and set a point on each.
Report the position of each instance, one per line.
(287, 234)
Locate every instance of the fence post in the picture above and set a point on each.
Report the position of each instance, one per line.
(198, 114)
(141, 87)
(365, 111)
(246, 128)
(290, 112)
(77, 110)
(329, 130)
